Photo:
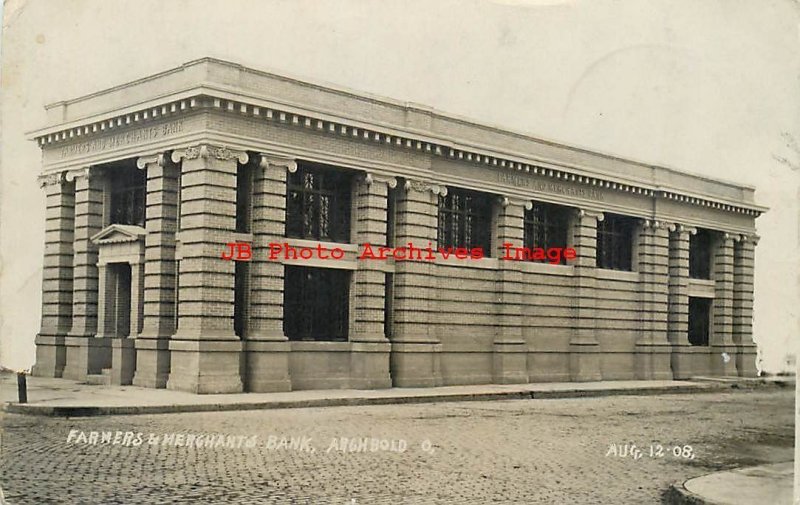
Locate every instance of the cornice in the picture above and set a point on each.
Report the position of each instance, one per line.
(390, 138)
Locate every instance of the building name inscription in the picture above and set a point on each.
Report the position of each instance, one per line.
(521, 181)
(123, 139)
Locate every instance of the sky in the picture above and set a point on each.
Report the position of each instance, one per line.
(706, 87)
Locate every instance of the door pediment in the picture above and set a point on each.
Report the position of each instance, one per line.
(119, 233)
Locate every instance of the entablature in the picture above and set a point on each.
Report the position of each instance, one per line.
(181, 117)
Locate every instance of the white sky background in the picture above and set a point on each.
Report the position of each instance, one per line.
(703, 86)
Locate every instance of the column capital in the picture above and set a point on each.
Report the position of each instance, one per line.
(422, 186)
(748, 237)
(590, 213)
(158, 159)
(209, 151)
(76, 173)
(270, 160)
(50, 179)
(655, 224)
(505, 201)
(682, 228)
(369, 178)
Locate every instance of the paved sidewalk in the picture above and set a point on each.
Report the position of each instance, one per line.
(61, 397)
(756, 485)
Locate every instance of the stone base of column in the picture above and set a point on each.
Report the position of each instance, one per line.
(723, 360)
(584, 362)
(86, 355)
(510, 363)
(152, 362)
(692, 361)
(369, 365)
(682, 363)
(205, 366)
(51, 356)
(123, 361)
(746, 356)
(267, 366)
(416, 364)
(653, 362)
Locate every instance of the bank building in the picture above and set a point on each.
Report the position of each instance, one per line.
(148, 182)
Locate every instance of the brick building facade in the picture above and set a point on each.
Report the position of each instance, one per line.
(148, 182)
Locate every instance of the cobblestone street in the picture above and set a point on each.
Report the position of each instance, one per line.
(526, 451)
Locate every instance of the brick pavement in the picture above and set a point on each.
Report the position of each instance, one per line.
(540, 451)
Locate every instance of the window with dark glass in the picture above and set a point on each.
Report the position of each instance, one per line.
(615, 242)
(465, 220)
(176, 295)
(244, 189)
(240, 298)
(391, 216)
(700, 245)
(388, 305)
(128, 189)
(318, 204)
(546, 225)
(699, 320)
(315, 303)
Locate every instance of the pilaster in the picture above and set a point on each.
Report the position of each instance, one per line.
(205, 352)
(743, 277)
(652, 347)
(678, 293)
(583, 346)
(85, 353)
(416, 359)
(721, 340)
(267, 356)
(510, 351)
(158, 272)
(56, 276)
(369, 359)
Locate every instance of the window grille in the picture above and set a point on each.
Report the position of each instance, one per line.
(316, 305)
(615, 242)
(465, 220)
(318, 204)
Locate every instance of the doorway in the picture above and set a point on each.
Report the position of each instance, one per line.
(121, 273)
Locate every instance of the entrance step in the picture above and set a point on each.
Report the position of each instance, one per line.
(102, 379)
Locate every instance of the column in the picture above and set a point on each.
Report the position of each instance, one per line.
(743, 276)
(678, 305)
(158, 276)
(415, 359)
(267, 348)
(86, 354)
(652, 347)
(56, 276)
(205, 353)
(510, 359)
(723, 351)
(369, 355)
(583, 346)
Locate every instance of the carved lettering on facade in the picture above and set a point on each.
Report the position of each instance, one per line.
(123, 139)
(521, 181)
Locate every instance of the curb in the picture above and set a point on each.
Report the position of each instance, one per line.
(86, 411)
(677, 494)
